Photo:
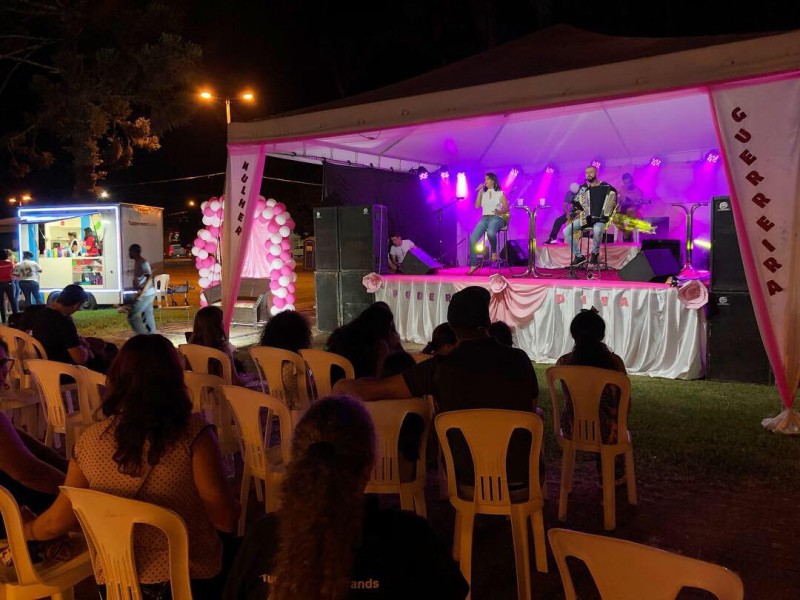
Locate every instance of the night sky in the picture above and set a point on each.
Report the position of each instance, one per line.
(299, 54)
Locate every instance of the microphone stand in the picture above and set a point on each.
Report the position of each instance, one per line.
(439, 212)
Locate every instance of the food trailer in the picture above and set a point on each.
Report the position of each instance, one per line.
(88, 245)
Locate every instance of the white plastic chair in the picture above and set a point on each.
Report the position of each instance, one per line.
(95, 383)
(26, 581)
(320, 363)
(585, 385)
(269, 363)
(61, 416)
(260, 463)
(388, 417)
(199, 360)
(161, 284)
(22, 402)
(108, 521)
(488, 433)
(208, 399)
(624, 570)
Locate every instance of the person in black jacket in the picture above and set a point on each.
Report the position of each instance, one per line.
(325, 542)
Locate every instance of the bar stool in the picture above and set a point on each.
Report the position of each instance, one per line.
(502, 254)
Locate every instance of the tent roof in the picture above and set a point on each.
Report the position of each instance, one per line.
(557, 95)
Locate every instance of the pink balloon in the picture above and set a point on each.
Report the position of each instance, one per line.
(285, 255)
(214, 231)
(290, 288)
(278, 302)
(199, 243)
(286, 244)
(274, 285)
(290, 224)
(278, 209)
(273, 227)
(208, 262)
(208, 212)
(286, 270)
(289, 299)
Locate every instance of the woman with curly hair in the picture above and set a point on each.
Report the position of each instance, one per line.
(150, 447)
(326, 543)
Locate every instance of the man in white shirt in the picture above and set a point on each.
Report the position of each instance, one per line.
(140, 315)
(398, 251)
(27, 271)
(494, 206)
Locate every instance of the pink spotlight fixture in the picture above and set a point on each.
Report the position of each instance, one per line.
(596, 164)
(712, 156)
(655, 162)
(551, 170)
(444, 175)
(461, 185)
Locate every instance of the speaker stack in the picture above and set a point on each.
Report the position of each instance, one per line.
(350, 243)
(734, 350)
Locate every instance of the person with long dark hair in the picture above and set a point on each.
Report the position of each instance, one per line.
(326, 542)
(588, 329)
(367, 340)
(150, 447)
(209, 331)
(494, 210)
(288, 330)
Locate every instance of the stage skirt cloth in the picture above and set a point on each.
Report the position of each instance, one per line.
(556, 256)
(646, 324)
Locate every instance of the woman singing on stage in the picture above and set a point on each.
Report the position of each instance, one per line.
(495, 210)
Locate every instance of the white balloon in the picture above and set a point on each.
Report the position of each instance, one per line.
(284, 231)
(292, 263)
(274, 310)
(275, 250)
(203, 205)
(289, 307)
(206, 220)
(203, 273)
(202, 254)
(195, 250)
(282, 218)
(215, 221)
(267, 214)
(276, 264)
(275, 238)
(284, 280)
(215, 205)
(217, 268)
(280, 293)
(204, 283)
(272, 202)
(293, 276)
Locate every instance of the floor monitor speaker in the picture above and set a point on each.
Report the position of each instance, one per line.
(674, 246)
(650, 265)
(419, 262)
(517, 253)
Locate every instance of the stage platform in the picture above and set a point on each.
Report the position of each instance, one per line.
(646, 324)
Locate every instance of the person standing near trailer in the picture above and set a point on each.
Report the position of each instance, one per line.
(140, 315)
(27, 271)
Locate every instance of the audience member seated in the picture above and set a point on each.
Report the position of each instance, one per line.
(367, 340)
(54, 328)
(288, 330)
(327, 541)
(588, 329)
(479, 373)
(443, 340)
(24, 320)
(209, 331)
(29, 470)
(152, 448)
(500, 331)
(397, 362)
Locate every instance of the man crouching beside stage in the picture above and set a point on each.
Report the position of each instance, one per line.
(479, 373)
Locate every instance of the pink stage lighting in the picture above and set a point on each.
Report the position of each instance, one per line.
(712, 156)
(461, 185)
(512, 175)
(655, 162)
(444, 175)
(596, 164)
(550, 170)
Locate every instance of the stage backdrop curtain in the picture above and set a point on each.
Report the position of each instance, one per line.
(242, 186)
(649, 327)
(411, 204)
(759, 127)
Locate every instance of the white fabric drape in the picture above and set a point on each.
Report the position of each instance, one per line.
(646, 325)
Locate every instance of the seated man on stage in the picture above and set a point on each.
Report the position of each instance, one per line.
(594, 204)
(398, 250)
(494, 205)
(561, 221)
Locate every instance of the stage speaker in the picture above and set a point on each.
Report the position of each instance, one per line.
(517, 253)
(326, 292)
(419, 262)
(326, 238)
(363, 238)
(734, 351)
(353, 296)
(674, 246)
(650, 265)
(727, 270)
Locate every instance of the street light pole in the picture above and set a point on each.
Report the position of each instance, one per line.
(228, 110)
(210, 97)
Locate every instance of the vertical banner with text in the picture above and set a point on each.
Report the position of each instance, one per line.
(243, 184)
(759, 127)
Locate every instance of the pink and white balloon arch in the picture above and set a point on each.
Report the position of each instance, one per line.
(278, 245)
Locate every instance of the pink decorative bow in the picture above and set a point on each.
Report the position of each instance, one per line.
(372, 282)
(693, 294)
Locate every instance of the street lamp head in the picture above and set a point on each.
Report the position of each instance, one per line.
(104, 194)
(191, 203)
(26, 198)
(206, 95)
(12, 200)
(248, 96)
